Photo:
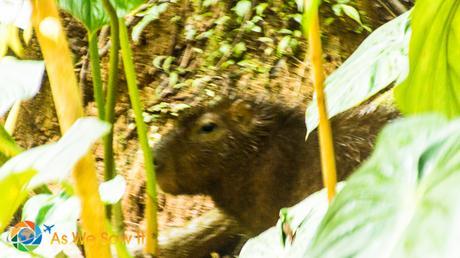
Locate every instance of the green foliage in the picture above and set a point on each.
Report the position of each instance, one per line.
(45, 164)
(242, 8)
(112, 191)
(303, 218)
(19, 87)
(89, 12)
(377, 63)
(8, 146)
(92, 14)
(434, 80)
(151, 14)
(13, 192)
(124, 7)
(350, 11)
(409, 187)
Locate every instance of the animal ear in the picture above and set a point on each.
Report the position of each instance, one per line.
(242, 112)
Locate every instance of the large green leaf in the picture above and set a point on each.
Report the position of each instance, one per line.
(55, 161)
(8, 146)
(403, 202)
(13, 192)
(89, 12)
(19, 80)
(45, 164)
(303, 218)
(124, 7)
(433, 83)
(92, 14)
(378, 62)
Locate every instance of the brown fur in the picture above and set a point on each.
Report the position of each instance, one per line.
(256, 160)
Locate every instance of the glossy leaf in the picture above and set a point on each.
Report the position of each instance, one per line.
(112, 191)
(55, 161)
(124, 7)
(402, 202)
(16, 12)
(14, 85)
(89, 12)
(433, 83)
(13, 192)
(45, 164)
(377, 63)
(303, 218)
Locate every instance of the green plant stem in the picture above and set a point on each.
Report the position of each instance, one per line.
(111, 90)
(115, 213)
(151, 246)
(96, 74)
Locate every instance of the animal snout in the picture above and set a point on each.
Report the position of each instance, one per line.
(159, 165)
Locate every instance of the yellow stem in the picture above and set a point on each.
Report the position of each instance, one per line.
(69, 107)
(325, 132)
(10, 122)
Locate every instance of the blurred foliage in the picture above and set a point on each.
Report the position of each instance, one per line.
(387, 205)
(434, 79)
(380, 61)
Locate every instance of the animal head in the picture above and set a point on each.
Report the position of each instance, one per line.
(211, 144)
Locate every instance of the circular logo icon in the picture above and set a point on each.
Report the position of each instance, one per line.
(25, 236)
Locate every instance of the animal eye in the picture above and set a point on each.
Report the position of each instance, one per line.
(208, 128)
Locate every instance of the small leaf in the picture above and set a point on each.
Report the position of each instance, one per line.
(351, 12)
(151, 14)
(239, 49)
(190, 32)
(14, 86)
(242, 8)
(158, 60)
(225, 48)
(112, 191)
(283, 45)
(167, 63)
(260, 8)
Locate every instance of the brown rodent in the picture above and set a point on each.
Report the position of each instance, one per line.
(252, 158)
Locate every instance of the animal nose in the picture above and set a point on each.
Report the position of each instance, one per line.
(158, 164)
